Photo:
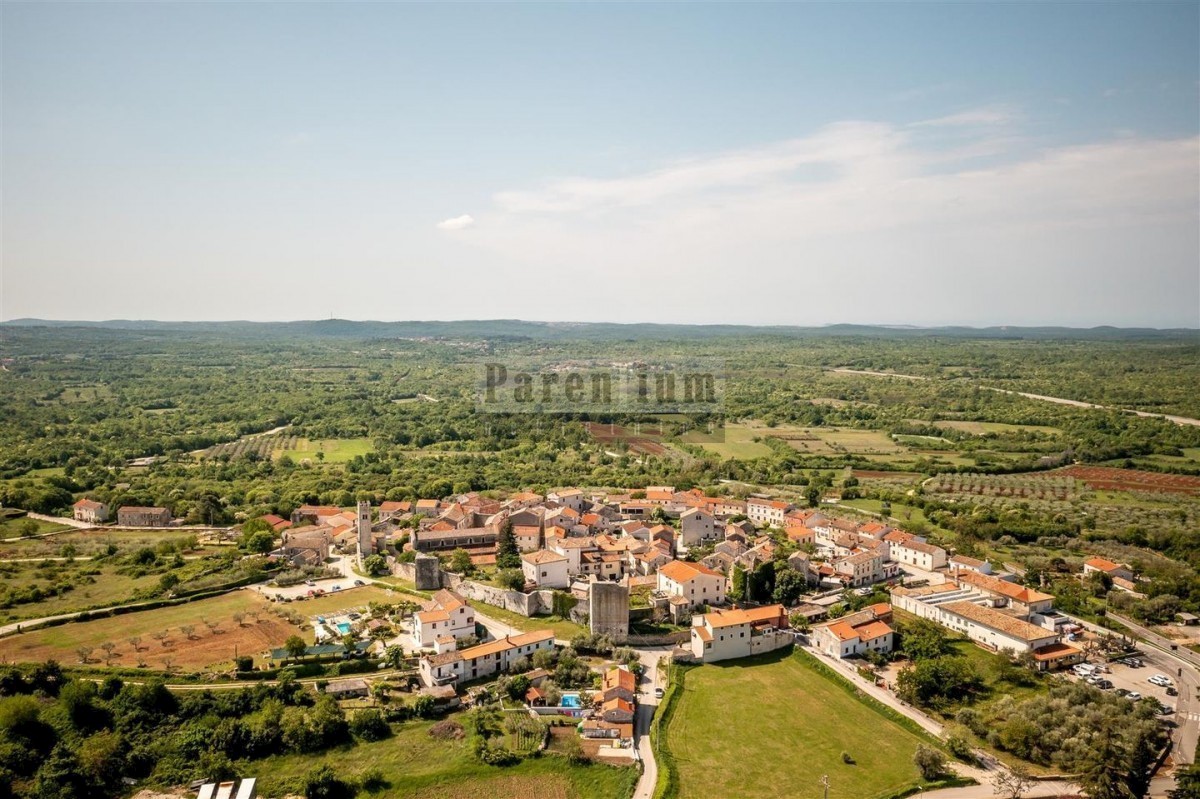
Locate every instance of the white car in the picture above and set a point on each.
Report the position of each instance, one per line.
(1161, 680)
(1134, 695)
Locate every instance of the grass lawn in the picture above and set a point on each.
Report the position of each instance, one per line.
(93, 542)
(91, 590)
(415, 764)
(738, 443)
(336, 450)
(12, 528)
(562, 628)
(780, 713)
(349, 599)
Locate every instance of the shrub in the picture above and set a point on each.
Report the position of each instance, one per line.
(847, 759)
(370, 725)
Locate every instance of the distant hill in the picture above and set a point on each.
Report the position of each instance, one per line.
(518, 329)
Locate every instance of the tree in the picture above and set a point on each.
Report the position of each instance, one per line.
(930, 762)
(424, 706)
(109, 647)
(789, 585)
(512, 579)
(238, 618)
(375, 565)
(84, 653)
(507, 555)
(160, 636)
(1105, 773)
(1187, 783)
(322, 782)
(295, 646)
(1013, 782)
(260, 542)
(394, 656)
(460, 562)
(923, 639)
(370, 725)
(187, 630)
(135, 641)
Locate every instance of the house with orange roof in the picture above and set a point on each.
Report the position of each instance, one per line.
(1021, 600)
(617, 683)
(90, 511)
(869, 630)
(738, 633)
(484, 660)
(278, 523)
(694, 582)
(446, 613)
(393, 509)
(572, 548)
(1106, 566)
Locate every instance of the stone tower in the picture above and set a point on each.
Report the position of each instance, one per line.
(608, 610)
(366, 545)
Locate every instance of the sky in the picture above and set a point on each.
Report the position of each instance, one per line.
(798, 164)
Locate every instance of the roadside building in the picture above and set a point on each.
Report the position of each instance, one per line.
(90, 511)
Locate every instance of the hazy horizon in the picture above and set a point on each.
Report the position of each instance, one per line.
(790, 164)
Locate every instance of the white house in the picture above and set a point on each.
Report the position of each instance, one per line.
(868, 630)
(697, 526)
(545, 569)
(572, 548)
(568, 497)
(915, 553)
(90, 511)
(863, 568)
(446, 614)
(695, 582)
(767, 511)
(727, 634)
(964, 609)
(485, 659)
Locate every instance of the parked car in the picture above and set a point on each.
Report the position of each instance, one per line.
(359, 582)
(1104, 685)
(1121, 692)
(1161, 680)
(1132, 663)
(337, 588)
(658, 693)
(309, 582)
(1172, 691)
(1134, 695)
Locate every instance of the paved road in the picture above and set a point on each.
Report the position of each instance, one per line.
(647, 707)
(1180, 666)
(41, 517)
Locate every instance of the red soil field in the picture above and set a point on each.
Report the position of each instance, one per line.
(1105, 478)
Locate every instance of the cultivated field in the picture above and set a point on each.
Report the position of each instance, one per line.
(214, 638)
(812, 719)
(643, 442)
(1056, 486)
(416, 764)
(1109, 479)
(983, 428)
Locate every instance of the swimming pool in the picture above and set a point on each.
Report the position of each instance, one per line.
(343, 627)
(570, 700)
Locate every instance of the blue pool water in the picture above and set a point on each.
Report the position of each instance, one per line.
(343, 627)
(570, 700)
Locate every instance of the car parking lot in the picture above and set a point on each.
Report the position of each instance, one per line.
(1136, 680)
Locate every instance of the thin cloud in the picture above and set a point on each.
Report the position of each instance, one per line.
(975, 117)
(457, 222)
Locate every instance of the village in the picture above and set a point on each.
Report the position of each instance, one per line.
(656, 577)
